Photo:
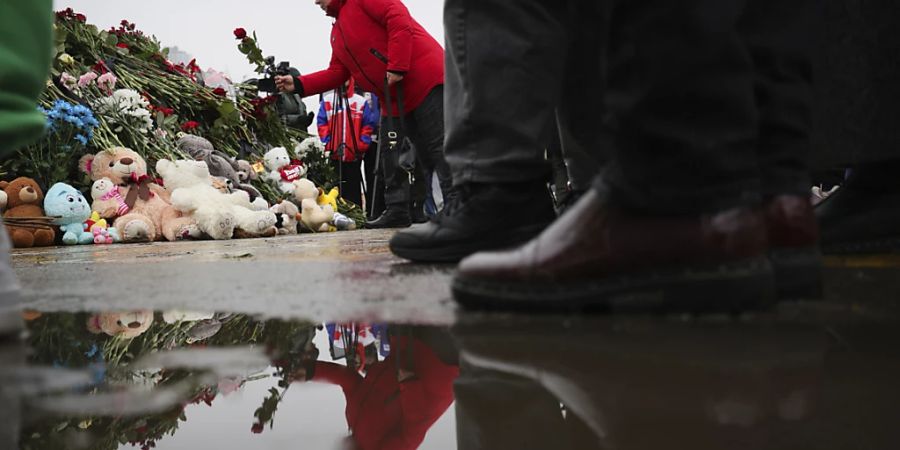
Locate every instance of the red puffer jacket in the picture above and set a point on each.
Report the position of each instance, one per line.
(385, 26)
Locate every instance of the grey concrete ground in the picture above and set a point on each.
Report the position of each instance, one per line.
(319, 276)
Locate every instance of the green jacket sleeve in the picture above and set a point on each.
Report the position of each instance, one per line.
(26, 37)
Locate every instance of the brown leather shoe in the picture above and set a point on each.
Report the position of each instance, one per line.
(794, 247)
(598, 256)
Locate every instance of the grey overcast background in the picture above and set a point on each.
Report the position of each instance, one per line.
(312, 416)
(291, 30)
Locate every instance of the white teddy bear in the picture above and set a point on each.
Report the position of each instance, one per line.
(217, 214)
(281, 171)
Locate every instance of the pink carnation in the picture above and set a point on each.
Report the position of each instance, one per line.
(87, 79)
(68, 80)
(107, 82)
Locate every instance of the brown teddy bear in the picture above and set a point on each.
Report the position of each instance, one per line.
(24, 199)
(150, 215)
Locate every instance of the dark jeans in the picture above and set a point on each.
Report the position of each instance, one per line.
(678, 122)
(425, 128)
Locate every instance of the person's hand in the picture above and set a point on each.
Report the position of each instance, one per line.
(284, 83)
(394, 78)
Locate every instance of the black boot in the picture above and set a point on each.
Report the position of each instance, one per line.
(417, 212)
(478, 217)
(393, 217)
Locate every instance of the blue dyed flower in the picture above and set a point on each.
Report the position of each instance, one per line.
(81, 138)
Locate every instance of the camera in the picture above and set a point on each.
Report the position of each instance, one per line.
(267, 84)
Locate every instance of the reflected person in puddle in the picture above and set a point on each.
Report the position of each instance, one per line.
(391, 404)
(652, 384)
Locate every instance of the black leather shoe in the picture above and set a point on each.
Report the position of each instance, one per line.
(391, 218)
(478, 217)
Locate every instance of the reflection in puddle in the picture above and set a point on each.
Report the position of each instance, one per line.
(133, 379)
(182, 379)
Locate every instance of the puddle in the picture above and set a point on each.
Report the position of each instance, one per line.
(187, 380)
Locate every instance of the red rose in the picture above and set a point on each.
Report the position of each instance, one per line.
(240, 33)
(122, 45)
(81, 17)
(166, 111)
(189, 125)
(100, 68)
(257, 428)
(219, 91)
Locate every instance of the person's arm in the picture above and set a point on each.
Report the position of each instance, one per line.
(394, 16)
(331, 373)
(317, 82)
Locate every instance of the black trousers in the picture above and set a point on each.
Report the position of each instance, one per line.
(351, 180)
(857, 92)
(425, 128)
(676, 119)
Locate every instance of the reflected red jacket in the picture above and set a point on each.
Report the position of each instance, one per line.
(385, 26)
(384, 414)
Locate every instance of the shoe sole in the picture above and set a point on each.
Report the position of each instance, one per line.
(798, 273)
(456, 252)
(727, 288)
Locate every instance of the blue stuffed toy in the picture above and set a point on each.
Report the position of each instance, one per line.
(70, 210)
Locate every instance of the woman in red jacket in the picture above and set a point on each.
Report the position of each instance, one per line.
(376, 39)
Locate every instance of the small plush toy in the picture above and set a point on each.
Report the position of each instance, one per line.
(315, 217)
(175, 315)
(245, 171)
(200, 149)
(288, 215)
(3, 200)
(122, 324)
(23, 200)
(71, 210)
(103, 233)
(107, 195)
(305, 189)
(329, 199)
(282, 172)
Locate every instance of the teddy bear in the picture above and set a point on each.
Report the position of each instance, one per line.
(282, 172)
(106, 195)
(288, 216)
(304, 189)
(316, 217)
(121, 324)
(150, 215)
(24, 198)
(70, 210)
(217, 214)
(220, 165)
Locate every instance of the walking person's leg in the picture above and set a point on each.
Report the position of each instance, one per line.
(780, 38)
(374, 193)
(671, 224)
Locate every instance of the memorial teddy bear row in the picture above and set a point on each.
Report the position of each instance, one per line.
(209, 197)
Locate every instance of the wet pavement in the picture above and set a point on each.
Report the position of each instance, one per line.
(327, 341)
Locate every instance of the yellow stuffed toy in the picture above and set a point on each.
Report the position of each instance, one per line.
(329, 199)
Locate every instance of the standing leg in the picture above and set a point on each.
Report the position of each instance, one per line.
(504, 70)
(374, 194)
(396, 188)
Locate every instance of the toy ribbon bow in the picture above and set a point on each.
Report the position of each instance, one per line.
(142, 189)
